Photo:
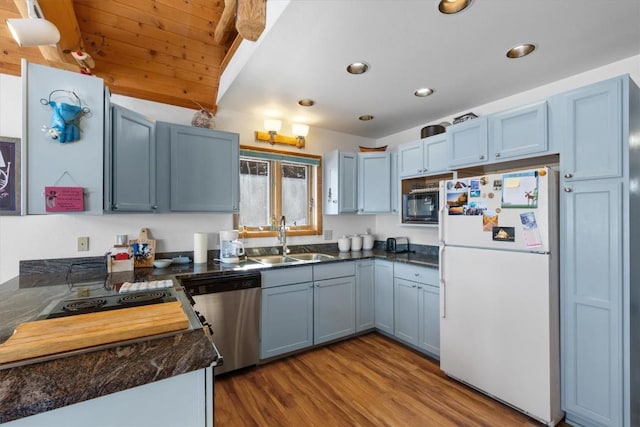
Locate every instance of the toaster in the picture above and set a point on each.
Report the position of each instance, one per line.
(398, 244)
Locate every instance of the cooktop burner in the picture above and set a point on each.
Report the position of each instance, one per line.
(109, 302)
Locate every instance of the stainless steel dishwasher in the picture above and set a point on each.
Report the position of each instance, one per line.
(230, 303)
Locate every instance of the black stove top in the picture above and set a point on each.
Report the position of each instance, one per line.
(107, 302)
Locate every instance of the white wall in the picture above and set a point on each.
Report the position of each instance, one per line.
(54, 236)
(389, 226)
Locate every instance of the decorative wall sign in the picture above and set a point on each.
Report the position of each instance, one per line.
(64, 199)
(9, 176)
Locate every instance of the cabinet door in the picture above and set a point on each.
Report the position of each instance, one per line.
(364, 295)
(592, 132)
(286, 319)
(405, 295)
(467, 143)
(435, 154)
(374, 182)
(205, 170)
(133, 162)
(519, 132)
(348, 180)
(429, 318)
(591, 295)
(330, 188)
(334, 309)
(410, 159)
(383, 298)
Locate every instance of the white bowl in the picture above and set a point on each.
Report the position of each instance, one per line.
(162, 263)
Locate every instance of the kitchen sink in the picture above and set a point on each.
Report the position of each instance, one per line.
(291, 259)
(312, 256)
(275, 260)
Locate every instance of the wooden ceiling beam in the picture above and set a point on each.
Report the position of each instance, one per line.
(62, 15)
(225, 25)
(251, 19)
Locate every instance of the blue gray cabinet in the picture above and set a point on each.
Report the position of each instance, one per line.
(334, 303)
(600, 350)
(417, 307)
(468, 143)
(424, 157)
(374, 182)
(364, 295)
(198, 169)
(519, 132)
(131, 162)
(383, 298)
(287, 311)
(340, 180)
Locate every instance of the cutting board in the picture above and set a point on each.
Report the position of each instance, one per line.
(50, 336)
(143, 249)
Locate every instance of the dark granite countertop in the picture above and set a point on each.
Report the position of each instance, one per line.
(38, 385)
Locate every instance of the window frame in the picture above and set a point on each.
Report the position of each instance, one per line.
(314, 188)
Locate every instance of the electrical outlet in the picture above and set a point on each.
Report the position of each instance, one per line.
(328, 234)
(83, 244)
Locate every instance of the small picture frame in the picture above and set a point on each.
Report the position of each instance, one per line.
(10, 169)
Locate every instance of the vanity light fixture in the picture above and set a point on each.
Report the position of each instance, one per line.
(449, 7)
(422, 92)
(520, 50)
(34, 30)
(271, 135)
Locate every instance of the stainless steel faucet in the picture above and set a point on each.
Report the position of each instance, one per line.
(282, 235)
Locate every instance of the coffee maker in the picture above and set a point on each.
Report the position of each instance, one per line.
(231, 249)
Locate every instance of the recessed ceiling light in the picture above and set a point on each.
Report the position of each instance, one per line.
(357, 68)
(422, 92)
(453, 6)
(365, 117)
(306, 102)
(520, 50)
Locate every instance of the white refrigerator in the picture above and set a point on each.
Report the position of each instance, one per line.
(499, 296)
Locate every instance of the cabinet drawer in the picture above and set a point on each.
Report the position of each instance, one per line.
(416, 273)
(286, 276)
(334, 269)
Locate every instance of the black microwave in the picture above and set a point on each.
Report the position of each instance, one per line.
(421, 206)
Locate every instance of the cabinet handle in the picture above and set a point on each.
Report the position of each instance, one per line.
(568, 175)
(115, 207)
(416, 274)
(419, 287)
(154, 207)
(568, 189)
(481, 156)
(413, 286)
(497, 154)
(311, 285)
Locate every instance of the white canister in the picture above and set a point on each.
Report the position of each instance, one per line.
(356, 242)
(344, 244)
(367, 242)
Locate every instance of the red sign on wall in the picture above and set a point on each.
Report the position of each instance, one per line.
(64, 199)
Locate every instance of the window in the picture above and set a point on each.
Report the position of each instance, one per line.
(276, 183)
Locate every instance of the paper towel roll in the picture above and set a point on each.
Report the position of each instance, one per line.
(200, 248)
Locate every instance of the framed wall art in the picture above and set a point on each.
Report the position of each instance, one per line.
(10, 191)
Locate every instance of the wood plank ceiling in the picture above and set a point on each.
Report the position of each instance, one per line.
(168, 51)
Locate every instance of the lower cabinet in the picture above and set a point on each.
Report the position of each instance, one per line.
(383, 296)
(365, 295)
(303, 306)
(417, 307)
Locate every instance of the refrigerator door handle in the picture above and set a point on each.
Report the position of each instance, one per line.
(441, 214)
(443, 286)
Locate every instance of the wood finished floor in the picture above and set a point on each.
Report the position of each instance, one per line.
(365, 381)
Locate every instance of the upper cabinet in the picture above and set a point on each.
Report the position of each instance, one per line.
(425, 157)
(340, 178)
(519, 132)
(130, 168)
(468, 143)
(592, 132)
(198, 169)
(375, 182)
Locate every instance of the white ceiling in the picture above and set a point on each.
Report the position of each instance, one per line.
(409, 45)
